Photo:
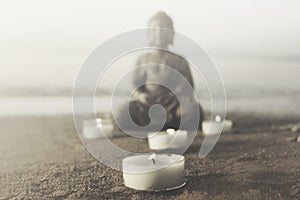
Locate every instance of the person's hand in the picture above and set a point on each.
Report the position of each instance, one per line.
(140, 97)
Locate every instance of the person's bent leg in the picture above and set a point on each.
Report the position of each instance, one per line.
(138, 115)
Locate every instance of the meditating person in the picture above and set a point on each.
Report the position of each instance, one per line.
(150, 93)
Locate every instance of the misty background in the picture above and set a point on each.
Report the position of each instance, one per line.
(255, 45)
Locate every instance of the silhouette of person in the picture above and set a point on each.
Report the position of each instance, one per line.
(149, 94)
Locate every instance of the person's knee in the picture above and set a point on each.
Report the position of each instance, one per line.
(134, 112)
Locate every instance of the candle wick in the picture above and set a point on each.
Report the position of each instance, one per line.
(153, 160)
(152, 157)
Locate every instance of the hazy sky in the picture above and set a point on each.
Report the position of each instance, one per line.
(44, 42)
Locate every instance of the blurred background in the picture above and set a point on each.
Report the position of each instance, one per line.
(255, 45)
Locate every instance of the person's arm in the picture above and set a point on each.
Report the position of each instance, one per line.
(182, 88)
(139, 76)
(187, 72)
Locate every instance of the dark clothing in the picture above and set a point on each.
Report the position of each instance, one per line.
(150, 94)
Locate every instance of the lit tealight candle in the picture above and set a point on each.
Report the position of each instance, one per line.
(217, 126)
(96, 128)
(167, 139)
(154, 172)
(171, 131)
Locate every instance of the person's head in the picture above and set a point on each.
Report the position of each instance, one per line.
(161, 33)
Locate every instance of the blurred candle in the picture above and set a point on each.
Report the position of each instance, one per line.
(215, 127)
(96, 128)
(167, 139)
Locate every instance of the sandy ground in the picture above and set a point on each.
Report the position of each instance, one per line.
(42, 157)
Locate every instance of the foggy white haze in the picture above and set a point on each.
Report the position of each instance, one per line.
(255, 44)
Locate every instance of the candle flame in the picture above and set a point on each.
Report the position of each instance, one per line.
(218, 118)
(170, 131)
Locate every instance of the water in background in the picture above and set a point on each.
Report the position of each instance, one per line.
(270, 86)
(278, 104)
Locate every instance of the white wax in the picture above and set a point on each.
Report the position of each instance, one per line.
(168, 139)
(141, 173)
(214, 127)
(96, 128)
